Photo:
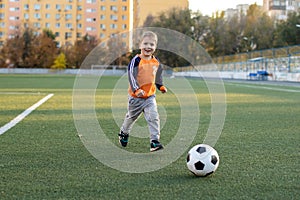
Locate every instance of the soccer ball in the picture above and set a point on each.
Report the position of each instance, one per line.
(202, 160)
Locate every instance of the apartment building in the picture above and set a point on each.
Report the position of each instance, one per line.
(143, 8)
(280, 8)
(70, 20)
(241, 9)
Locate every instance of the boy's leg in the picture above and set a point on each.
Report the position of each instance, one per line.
(152, 118)
(135, 108)
(134, 111)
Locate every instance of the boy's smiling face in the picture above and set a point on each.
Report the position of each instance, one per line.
(148, 47)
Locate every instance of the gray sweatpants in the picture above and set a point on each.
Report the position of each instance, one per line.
(135, 108)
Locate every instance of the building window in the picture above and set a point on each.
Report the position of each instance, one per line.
(37, 15)
(58, 7)
(13, 18)
(102, 8)
(57, 25)
(2, 5)
(91, 10)
(68, 7)
(68, 16)
(57, 16)
(2, 15)
(102, 26)
(47, 15)
(124, 8)
(102, 35)
(102, 17)
(90, 28)
(37, 25)
(14, 9)
(26, 7)
(113, 8)
(113, 26)
(10, 36)
(68, 35)
(78, 17)
(124, 17)
(48, 6)
(79, 26)
(47, 25)
(113, 17)
(37, 6)
(26, 16)
(124, 26)
(90, 19)
(68, 25)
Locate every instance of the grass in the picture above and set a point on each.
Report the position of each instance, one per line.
(42, 157)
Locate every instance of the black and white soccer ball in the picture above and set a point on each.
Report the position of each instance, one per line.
(202, 160)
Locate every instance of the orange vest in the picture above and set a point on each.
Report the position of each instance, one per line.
(145, 75)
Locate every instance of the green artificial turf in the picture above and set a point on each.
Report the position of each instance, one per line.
(42, 157)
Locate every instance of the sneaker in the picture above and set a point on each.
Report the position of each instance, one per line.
(123, 138)
(155, 145)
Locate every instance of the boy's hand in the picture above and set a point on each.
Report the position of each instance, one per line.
(163, 89)
(139, 93)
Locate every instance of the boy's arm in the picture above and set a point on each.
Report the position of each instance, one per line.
(159, 80)
(132, 73)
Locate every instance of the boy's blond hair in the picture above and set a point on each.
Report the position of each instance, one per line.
(151, 35)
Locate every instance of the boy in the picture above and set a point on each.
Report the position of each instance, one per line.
(144, 75)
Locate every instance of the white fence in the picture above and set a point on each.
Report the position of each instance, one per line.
(276, 76)
(107, 72)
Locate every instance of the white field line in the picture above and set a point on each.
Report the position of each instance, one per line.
(21, 116)
(266, 88)
(22, 93)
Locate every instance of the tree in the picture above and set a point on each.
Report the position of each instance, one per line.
(259, 30)
(76, 53)
(60, 62)
(12, 51)
(234, 29)
(117, 51)
(215, 42)
(43, 50)
(200, 27)
(28, 49)
(287, 32)
(174, 19)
